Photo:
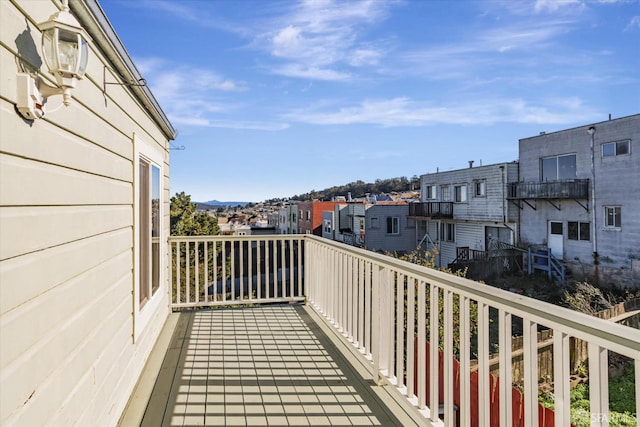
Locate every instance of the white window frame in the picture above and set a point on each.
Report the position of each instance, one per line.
(395, 225)
(143, 314)
(431, 192)
(447, 231)
(445, 191)
(480, 188)
(613, 226)
(463, 193)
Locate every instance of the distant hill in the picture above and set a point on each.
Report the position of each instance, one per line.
(217, 203)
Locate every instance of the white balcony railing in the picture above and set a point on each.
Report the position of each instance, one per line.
(397, 315)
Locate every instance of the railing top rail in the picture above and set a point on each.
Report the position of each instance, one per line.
(254, 237)
(619, 338)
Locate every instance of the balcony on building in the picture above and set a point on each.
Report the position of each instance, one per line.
(430, 210)
(301, 330)
(559, 189)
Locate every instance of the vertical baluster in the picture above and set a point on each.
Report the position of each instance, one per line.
(368, 283)
(267, 281)
(232, 254)
(349, 300)
(259, 266)
(504, 347)
(283, 270)
(483, 363)
(599, 385)
(250, 282)
(274, 266)
(214, 255)
(448, 355)
(224, 271)
(530, 355)
(400, 332)
(196, 282)
(361, 304)
(434, 343)
(187, 288)
(178, 282)
(354, 298)
(422, 345)
(465, 364)
(375, 322)
(411, 336)
(206, 271)
(561, 378)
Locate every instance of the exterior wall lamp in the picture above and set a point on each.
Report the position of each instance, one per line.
(65, 51)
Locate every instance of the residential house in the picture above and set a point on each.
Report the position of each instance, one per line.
(311, 216)
(579, 194)
(464, 210)
(288, 223)
(389, 228)
(348, 222)
(84, 208)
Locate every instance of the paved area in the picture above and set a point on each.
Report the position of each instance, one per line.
(269, 365)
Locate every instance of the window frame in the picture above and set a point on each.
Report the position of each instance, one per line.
(480, 188)
(615, 148)
(144, 311)
(462, 193)
(447, 232)
(617, 217)
(578, 236)
(431, 192)
(445, 191)
(557, 158)
(393, 224)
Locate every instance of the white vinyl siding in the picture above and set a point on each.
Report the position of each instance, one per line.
(66, 247)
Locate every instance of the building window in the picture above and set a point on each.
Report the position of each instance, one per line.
(612, 217)
(446, 193)
(327, 226)
(362, 224)
(430, 192)
(447, 232)
(578, 230)
(149, 229)
(480, 188)
(308, 215)
(375, 223)
(460, 193)
(393, 225)
(618, 148)
(558, 167)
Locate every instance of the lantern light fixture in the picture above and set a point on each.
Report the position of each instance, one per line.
(65, 52)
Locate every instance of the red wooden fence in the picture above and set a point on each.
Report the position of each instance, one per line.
(545, 415)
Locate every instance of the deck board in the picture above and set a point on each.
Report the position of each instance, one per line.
(268, 365)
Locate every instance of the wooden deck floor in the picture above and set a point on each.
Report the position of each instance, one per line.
(269, 365)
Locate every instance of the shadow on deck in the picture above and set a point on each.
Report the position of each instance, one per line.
(268, 365)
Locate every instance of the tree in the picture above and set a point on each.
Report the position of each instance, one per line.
(186, 221)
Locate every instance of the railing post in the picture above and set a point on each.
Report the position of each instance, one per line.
(483, 364)
(375, 321)
(465, 364)
(598, 385)
(434, 343)
(561, 379)
(530, 356)
(504, 347)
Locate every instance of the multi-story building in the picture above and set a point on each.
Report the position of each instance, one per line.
(288, 219)
(579, 194)
(310, 216)
(389, 228)
(84, 208)
(349, 222)
(464, 210)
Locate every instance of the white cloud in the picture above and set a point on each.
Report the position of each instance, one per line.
(634, 23)
(553, 5)
(319, 39)
(406, 112)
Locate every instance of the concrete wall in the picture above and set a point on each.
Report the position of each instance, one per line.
(69, 353)
(617, 183)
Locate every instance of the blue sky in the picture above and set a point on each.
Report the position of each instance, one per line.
(277, 98)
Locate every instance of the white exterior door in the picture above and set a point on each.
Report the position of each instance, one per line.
(556, 238)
